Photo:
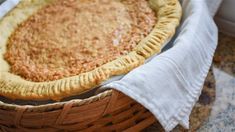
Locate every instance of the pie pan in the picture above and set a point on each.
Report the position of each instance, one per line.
(15, 87)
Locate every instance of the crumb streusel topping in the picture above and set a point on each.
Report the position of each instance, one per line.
(69, 37)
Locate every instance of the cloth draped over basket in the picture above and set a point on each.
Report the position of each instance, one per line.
(170, 84)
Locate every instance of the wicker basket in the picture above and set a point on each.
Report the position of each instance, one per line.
(108, 111)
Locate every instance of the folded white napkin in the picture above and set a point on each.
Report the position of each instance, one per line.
(7, 6)
(170, 84)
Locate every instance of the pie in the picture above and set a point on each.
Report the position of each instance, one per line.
(52, 49)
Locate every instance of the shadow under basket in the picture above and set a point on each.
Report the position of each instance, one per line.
(108, 111)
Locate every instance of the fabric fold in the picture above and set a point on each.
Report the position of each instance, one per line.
(170, 84)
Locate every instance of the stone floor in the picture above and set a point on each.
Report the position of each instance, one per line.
(215, 109)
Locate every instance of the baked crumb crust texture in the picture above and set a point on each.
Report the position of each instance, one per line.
(67, 38)
(14, 87)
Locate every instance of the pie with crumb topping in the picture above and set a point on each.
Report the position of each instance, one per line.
(52, 49)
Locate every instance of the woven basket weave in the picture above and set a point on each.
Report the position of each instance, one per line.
(108, 111)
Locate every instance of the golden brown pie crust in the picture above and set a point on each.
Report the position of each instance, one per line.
(67, 38)
(15, 87)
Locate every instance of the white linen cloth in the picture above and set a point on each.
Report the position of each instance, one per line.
(7, 6)
(170, 84)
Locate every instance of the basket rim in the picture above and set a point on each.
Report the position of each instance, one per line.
(57, 105)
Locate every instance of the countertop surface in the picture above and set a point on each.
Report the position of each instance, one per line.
(222, 115)
(215, 109)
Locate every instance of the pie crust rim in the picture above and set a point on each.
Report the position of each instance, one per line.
(14, 87)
